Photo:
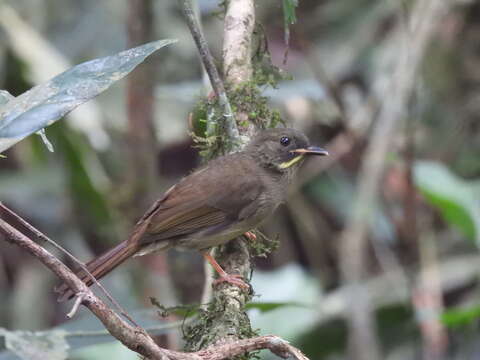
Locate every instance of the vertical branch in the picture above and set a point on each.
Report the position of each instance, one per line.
(426, 16)
(237, 40)
(141, 134)
(234, 256)
(225, 319)
(237, 49)
(427, 297)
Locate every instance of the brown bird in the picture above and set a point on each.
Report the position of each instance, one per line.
(220, 201)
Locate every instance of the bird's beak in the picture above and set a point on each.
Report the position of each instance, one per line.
(311, 150)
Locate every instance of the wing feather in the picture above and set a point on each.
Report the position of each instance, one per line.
(202, 222)
(203, 200)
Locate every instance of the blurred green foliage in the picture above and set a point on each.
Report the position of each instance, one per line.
(456, 199)
(461, 317)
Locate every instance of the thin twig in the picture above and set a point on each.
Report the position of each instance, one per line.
(148, 329)
(44, 237)
(229, 124)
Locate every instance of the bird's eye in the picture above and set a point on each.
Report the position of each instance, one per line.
(285, 140)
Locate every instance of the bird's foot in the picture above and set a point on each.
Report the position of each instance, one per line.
(233, 279)
(250, 236)
(223, 276)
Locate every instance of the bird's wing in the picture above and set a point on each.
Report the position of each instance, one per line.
(211, 198)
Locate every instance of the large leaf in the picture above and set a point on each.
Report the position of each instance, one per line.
(457, 199)
(47, 103)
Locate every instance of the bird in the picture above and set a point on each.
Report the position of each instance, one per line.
(221, 200)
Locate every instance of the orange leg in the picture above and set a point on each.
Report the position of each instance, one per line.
(251, 236)
(223, 276)
(211, 96)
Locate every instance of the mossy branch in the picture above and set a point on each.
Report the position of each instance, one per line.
(134, 337)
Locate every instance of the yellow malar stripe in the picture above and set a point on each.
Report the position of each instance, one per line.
(289, 163)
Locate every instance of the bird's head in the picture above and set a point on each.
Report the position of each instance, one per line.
(282, 149)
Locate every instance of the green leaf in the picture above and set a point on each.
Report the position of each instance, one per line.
(46, 103)
(289, 15)
(265, 307)
(289, 18)
(455, 318)
(456, 199)
(87, 195)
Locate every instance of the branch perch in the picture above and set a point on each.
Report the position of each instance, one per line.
(136, 338)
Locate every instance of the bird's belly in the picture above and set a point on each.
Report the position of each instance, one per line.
(204, 240)
(200, 241)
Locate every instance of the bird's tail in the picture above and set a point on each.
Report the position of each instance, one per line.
(99, 267)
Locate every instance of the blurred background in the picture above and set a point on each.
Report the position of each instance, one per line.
(116, 154)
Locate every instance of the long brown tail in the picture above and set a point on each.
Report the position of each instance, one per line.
(99, 267)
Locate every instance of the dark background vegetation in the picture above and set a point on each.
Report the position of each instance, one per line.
(422, 261)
